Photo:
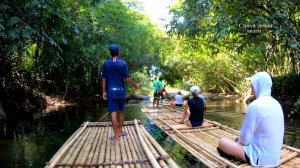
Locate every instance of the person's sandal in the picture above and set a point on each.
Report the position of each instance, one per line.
(124, 133)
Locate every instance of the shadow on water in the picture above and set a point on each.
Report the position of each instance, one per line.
(31, 141)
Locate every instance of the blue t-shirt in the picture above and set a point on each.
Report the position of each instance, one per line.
(114, 74)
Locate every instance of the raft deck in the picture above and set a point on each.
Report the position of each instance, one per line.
(202, 141)
(90, 146)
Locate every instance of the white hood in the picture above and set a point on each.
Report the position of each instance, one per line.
(262, 84)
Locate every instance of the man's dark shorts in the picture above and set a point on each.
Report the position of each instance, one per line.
(247, 158)
(115, 105)
(196, 123)
(156, 96)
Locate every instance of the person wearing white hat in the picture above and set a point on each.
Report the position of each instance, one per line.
(193, 110)
(261, 136)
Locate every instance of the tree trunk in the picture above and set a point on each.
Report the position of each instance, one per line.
(2, 113)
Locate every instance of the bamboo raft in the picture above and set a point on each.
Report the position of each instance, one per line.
(90, 146)
(202, 141)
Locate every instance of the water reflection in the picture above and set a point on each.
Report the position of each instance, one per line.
(32, 141)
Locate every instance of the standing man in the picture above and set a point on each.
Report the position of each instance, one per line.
(114, 71)
(157, 89)
(261, 136)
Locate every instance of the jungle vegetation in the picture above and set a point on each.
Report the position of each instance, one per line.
(58, 47)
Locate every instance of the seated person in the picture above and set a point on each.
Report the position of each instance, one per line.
(178, 99)
(261, 136)
(193, 110)
(203, 98)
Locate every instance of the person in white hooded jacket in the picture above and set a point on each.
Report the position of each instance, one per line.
(261, 136)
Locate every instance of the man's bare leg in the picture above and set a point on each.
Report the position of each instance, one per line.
(115, 125)
(121, 121)
(185, 114)
(232, 148)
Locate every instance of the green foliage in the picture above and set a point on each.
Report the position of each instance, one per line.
(66, 42)
(144, 81)
(236, 39)
(287, 84)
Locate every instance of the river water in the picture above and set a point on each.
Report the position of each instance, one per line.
(32, 142)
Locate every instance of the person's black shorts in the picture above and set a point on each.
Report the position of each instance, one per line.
(178, 105)
(247, 158)
(156, 96)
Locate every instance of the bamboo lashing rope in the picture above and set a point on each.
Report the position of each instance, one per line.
(204, 147)
(150, 156)
(53, 163)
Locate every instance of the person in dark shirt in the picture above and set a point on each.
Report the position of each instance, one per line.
(193, 110)
(114, 71)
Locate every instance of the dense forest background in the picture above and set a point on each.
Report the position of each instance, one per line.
(57, 47)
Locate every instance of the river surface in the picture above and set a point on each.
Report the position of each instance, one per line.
(31, 141)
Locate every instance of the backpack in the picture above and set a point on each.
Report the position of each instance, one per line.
(158, 89)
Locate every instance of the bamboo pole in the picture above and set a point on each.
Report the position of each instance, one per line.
(88, 151)
(289, 157)
(132, 147)
(97, 146)
(137, 146)
(127, 149)
(69, 139)
(291, 148)
(78, 153)
(160, 150)
(284, 152)
(152, 148)
(102, 154)
(204, 147)
(235, 132)
(195, 153)
(108, 147)
(123, 151)
(113, 150)
(103, 116)
(61, 153)
(118, 152)
(71, 149)
(150, 156)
